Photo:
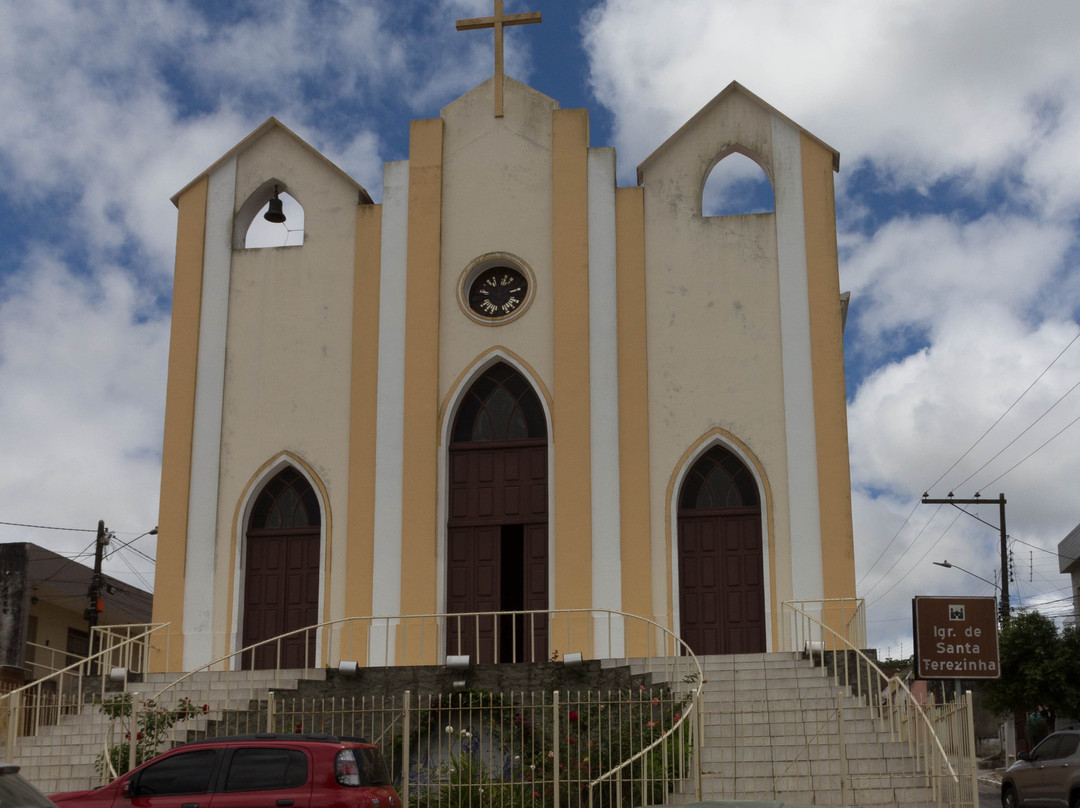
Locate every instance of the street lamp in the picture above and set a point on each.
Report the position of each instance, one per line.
(949, 566)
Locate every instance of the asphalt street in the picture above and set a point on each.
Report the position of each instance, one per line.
(990, 788)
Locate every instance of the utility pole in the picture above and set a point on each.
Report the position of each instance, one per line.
(1003, 607)
(96, 604)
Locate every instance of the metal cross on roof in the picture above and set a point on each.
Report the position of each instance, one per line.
(497, 21)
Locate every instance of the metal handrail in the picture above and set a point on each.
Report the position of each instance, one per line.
(674, 646)
(885, 690)
(12, 704)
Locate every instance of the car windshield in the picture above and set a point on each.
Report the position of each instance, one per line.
(15, 792)
(1046, 749)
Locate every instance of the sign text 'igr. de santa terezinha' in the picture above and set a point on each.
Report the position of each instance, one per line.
(956, 638)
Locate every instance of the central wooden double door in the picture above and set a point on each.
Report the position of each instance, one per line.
(497, 550)
(721, 588)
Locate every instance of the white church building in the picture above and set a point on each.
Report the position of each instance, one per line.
(511, 385)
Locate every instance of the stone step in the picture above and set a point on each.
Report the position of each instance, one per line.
(770, 729)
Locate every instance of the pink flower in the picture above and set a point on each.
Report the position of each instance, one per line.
(573, 716)
(651, 724)
(641, 688)
(655, 700)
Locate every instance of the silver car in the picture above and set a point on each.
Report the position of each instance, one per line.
(1047, 775)
(16, 792)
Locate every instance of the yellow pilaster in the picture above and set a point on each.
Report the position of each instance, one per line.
(571, 433)
(419, 518)
(827, 358)
(179, 427)
(360, 552)
(633, 412)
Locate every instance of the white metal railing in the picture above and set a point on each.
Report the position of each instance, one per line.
(522, 636)
(941, 743)
(626, 746)
(67, 691)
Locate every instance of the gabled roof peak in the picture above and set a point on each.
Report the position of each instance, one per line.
(269, 125)
(733, 88)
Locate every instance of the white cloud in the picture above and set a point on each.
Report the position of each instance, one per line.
(82, 364)
(112, 107)
(952, 315)
(926, 90)
(921, 273)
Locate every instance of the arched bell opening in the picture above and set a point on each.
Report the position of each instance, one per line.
(737, 185)
(270, 217)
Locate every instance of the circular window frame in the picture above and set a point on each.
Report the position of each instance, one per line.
(480, 265)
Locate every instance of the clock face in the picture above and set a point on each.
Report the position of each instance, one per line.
(498, 292)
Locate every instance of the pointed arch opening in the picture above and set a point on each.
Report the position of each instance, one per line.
(497, 519)
(253, 231)
(736, 185)
(282, 572)
(721, 557)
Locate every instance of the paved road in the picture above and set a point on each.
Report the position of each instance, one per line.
(989, 789)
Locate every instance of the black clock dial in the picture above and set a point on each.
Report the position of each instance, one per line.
(498, 292)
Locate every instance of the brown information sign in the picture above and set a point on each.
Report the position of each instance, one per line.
(956, 638)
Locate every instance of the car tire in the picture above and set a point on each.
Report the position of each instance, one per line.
(1009, 798)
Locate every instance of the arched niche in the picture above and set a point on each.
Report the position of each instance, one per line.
(737, 184)
(252, 231)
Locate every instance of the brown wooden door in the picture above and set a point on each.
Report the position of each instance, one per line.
(497, 534)
(497, 550)
(282, 572)
(281, 594)
(721, 585)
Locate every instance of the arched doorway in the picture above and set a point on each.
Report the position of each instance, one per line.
(281, 572)
(497, 532)
(721, 579)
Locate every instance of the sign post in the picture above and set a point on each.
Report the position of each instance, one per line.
(956, 638)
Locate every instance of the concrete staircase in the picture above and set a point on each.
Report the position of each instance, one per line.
(777, 729)
(61, 757)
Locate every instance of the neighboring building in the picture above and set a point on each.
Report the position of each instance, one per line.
(510, 385)
(1069, 562)
(44, 596)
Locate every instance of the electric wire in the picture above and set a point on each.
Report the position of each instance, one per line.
(897, 559)
(881, 555)
(1039, 449)
(1007, 411)
(50, 527)
(919, 561)
(1014, 440)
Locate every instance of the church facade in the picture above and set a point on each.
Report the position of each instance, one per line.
(510, 385)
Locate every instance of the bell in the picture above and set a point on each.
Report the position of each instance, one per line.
(274, 212)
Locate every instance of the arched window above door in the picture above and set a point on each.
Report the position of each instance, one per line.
(287, 501)
(719, 480)
(501, 405)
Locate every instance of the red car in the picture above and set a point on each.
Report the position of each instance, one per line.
(272, 770)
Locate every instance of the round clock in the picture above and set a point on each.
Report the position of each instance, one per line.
(497, 292)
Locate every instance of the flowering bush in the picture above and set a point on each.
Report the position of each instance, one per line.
(152, 727)
(498, 754)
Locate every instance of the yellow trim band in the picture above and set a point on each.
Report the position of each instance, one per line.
(179, 425)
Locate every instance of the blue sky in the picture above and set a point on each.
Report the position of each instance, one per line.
(958, 202)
